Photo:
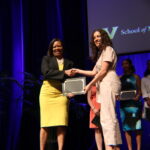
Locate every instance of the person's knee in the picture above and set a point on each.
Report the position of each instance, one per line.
(97, 131)
(61, 129)
(44, 130)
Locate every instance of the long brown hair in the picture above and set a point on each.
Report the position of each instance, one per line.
(106, 41)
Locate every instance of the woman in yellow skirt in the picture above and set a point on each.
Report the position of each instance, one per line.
(53, 104)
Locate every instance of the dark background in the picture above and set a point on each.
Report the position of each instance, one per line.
(128, 16)
(26, 28)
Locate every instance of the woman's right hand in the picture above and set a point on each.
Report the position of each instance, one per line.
(69, 72)
(96, 111)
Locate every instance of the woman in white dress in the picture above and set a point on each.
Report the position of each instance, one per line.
(108, 86)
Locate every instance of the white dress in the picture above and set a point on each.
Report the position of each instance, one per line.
(107, 89)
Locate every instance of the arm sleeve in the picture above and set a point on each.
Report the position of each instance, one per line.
(50, 73)
(109, 54)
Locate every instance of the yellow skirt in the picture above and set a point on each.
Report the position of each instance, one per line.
(53, 105)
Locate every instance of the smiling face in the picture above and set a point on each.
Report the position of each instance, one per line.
(57, 49)
(97, 38)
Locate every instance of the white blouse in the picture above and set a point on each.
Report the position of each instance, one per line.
(145, 85)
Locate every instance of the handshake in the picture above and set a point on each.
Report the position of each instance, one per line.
(72, 72)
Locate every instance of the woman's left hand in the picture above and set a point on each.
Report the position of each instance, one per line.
(70, 95)
(87, 88)
(136, 98)
(117, 97)
(148, 102)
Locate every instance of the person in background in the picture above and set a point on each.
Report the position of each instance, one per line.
(53, 104)
(95, 112)
(108, 86)
(146, 90)
(131, 109)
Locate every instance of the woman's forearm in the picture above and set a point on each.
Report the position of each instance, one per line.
(98, 77)
(101, 74)
(89, 99)
(87, 72)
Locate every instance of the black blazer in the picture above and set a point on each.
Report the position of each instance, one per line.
(50, 70)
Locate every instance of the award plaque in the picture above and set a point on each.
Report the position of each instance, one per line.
(74, 86)
(127, 95)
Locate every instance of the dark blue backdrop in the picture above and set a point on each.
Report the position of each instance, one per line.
(26, 27)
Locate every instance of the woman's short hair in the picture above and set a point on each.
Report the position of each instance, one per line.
(50, 47)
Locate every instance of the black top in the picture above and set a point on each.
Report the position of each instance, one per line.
(50, 69)
(128, 82)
